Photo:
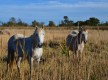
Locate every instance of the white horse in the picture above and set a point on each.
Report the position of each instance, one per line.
(30, 46)
(76, 40)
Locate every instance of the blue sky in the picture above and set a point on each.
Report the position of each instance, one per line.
(45, 10)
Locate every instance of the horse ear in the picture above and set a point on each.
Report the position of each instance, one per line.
(42, 26)
(80, 28)
(36, 27)
(86, 31)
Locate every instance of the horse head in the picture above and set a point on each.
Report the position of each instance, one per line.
(39, 34)
(82, 35)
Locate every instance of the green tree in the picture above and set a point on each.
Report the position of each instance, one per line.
(66, 22)
(51, 24)
(1, 23)
(11, 22)
(21, 23)
(79, 23)
(106, 23)
(35, 23)
(62, 23)
(92, 21)
(70, 23)
(41, 23)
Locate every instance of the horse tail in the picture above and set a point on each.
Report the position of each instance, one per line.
(11, 57)
(11, 52)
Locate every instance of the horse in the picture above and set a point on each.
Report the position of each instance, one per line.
(76, 40)
(31, 46)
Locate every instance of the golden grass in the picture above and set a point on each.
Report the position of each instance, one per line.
(58, 66)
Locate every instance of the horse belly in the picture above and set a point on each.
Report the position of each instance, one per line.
(71, 43)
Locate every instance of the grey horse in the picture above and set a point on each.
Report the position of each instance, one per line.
(76, 40)
(30, 46)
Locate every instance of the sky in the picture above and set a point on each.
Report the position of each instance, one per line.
(46, 10)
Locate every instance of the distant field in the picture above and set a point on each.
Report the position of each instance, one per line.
(59, 28)
(57, 65)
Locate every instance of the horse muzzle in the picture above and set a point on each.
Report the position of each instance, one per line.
(85, 42)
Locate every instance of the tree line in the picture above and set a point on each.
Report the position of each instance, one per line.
(66, 22)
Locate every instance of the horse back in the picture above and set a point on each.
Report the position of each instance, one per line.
(71, 42)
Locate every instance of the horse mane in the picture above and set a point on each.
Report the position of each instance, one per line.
(19, 36)
(80, 37)
(74, 33)
(34, 43)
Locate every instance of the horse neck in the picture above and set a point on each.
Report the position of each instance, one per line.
(34, 41)
(33, 37)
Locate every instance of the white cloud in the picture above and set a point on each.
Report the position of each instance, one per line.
(57, 5)
(55, 10)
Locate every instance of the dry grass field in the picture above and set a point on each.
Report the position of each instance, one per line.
(56, 64)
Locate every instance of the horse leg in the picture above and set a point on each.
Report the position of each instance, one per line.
(10, 59)
(80, 54)
(8, 62)
(75, 54)
(69, 53)
(18, 64)
(31, 66)
(38, 60)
